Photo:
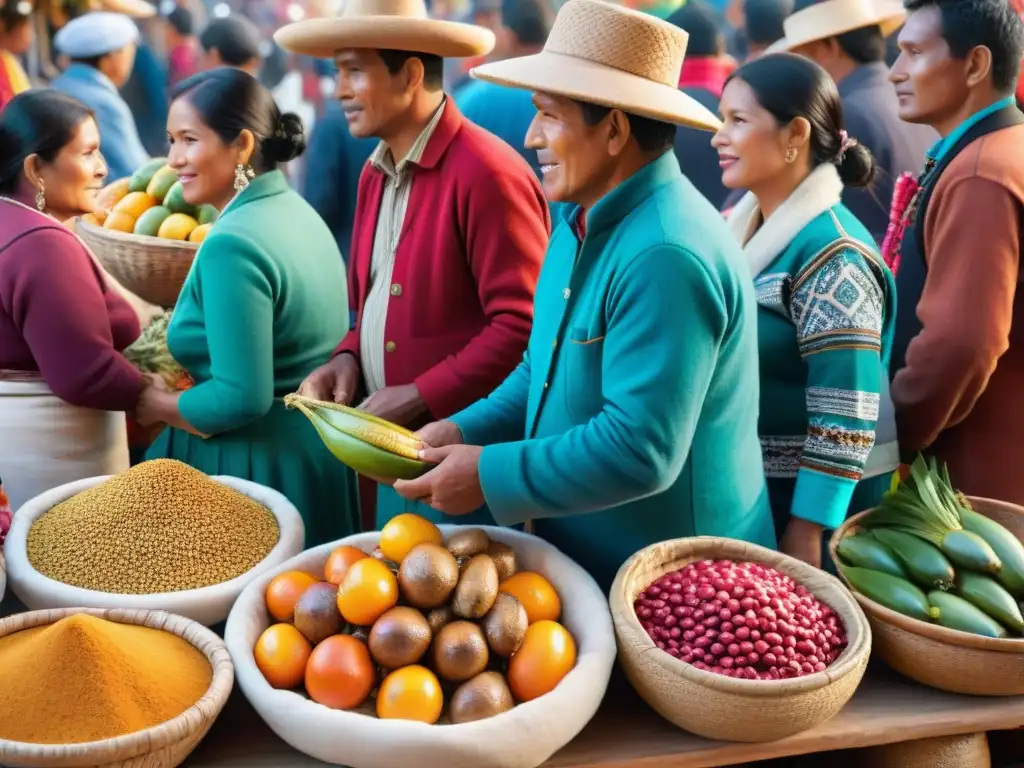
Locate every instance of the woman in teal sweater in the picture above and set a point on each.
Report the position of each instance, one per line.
(265, 302)
(826, 300)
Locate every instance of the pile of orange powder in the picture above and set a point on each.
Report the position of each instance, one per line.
(85, 679)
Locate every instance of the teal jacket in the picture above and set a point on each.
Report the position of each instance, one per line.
(826, 314)
(632, 417)
(264, 304)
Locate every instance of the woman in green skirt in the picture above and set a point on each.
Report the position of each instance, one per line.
(265, 301)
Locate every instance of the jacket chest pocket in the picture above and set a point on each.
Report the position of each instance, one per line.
(584, 380)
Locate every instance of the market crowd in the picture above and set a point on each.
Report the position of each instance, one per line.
(631, 278)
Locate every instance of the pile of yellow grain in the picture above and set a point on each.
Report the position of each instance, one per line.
(162, 526)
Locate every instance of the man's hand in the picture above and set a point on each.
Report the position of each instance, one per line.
(438, 434)
(400, 405)
(453, 486)
(335, 381)
(802, 540)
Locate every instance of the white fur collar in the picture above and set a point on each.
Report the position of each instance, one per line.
(763, 244)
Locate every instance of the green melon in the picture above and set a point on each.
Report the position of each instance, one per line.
(150, 221)
(207, 214)
(175, 200)
(141, 178)
(162, 182)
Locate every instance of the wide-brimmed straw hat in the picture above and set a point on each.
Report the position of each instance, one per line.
(834, 17)
(612, 56)
(401, 25)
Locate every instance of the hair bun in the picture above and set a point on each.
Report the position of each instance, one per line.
(288, 141)
(857, 168)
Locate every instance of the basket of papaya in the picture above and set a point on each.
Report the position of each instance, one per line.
(941, 577)
(145, 234)
(736, 642)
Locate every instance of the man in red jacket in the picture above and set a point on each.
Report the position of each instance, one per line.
(450, 230)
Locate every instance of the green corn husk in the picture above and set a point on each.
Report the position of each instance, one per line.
(926, 505)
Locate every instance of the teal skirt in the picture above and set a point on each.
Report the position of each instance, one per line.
(283, 451)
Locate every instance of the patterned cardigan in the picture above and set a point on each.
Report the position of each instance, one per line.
(826, 312)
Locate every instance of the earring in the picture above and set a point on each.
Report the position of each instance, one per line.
(41, 199)
(243, 173)
(790, 155)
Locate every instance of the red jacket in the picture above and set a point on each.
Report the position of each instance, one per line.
(474, 237)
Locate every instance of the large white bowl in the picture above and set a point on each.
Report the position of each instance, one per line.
(524, 737)
(208, 605)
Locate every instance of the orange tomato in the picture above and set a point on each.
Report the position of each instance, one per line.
(340, 673)
(284, 592)
(536, 594)
(369, 590)
(403, 532)
(410, 693)
(547, 655)
(340, 561)
(281, 655)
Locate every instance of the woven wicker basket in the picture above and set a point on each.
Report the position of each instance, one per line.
(162, 746)
(945, 658)
(724, 708)
(152, 268)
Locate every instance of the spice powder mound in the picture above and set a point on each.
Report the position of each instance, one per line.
(161, 526)
(84, 679)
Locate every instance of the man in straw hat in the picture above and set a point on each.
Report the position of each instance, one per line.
(450, 230)
(637, 399)
(847, 38)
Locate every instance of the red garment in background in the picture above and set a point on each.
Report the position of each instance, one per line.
(6, 87)
(708, 73)
(1018, 6)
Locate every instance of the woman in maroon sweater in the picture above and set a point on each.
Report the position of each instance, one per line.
(64, 386)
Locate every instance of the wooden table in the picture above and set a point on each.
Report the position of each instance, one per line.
(887, 710)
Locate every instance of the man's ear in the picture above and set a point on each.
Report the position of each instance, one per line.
(619, 131)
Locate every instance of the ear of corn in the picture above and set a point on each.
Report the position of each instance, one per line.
(367, 444)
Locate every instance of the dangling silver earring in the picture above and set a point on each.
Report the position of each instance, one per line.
(790, 155)
(243, 173)
(41, 199)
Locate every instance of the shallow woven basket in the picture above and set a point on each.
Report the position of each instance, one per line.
(719, 707)
(943, 658)
(162, 746)
(152, 268)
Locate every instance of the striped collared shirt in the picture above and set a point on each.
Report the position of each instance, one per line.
(393, 204)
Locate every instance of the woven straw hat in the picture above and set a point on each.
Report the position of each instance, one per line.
(834, 17)
(612, 56)
(401, 25)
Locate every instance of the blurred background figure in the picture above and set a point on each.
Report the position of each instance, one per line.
(483, 13)
(705, 70)
(762, 27)
(181, 44)
(15, 40)
(848, 39)
(232, 41)
(507, 112)
(101, 48)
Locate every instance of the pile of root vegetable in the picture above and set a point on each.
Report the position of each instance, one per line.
(926, 554)
(742, 620)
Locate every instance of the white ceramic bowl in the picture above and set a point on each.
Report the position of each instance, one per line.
(524, 737)
(208, 605)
